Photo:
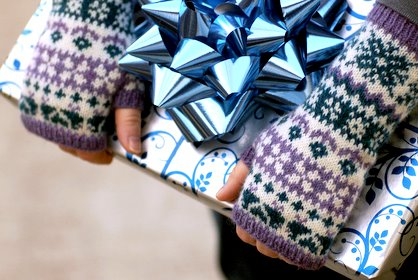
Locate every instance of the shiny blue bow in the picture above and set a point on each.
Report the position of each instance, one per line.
(210, 61)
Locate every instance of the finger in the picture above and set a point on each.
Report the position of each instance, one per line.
(263, 249)
(128, 129)
(102, 157)
(245, 236)
(233, 186)
(69, 150)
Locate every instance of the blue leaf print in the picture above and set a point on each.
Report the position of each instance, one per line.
(404, 158)
(382, 242)
(26, 32)
(197, 182)
(206, 182)
(384, 233)
(376, 235)
(397, 170)
(414, 162)
(202, 189)
(16, 64)
(378, 248)
(410, 171)
(370, 196)
(202, 177)
(378, 183)
(209, 175)
(406, 183)
(370, 270)
(372, 241)
(369, 181)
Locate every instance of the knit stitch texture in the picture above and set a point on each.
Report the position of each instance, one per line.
(307, 169)
(73, 80)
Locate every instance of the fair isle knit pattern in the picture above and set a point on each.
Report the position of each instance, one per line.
(306, 170)
(73, 80)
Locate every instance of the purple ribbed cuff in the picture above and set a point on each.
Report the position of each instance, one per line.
(64, 137)
(129, 99)
(291, 252)
(131, 95)
(399, 26)
(248, 156)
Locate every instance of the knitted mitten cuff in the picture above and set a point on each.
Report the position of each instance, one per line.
(307, 169)
(74, 76)
(131, 95)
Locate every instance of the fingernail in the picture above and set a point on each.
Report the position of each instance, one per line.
(134, 143)
(220, 191)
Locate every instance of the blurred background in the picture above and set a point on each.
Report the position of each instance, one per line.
(62, 218)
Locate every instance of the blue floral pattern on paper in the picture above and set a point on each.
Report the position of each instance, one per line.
(218, 161)
(365, 247)
(392, 178)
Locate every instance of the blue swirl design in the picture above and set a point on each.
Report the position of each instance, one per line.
(212, 169)
(165, 175)
(159, 138)
(159, 141)
(205, 175)
(259, 113)
(13, 85)
(233, 136)
(354, 17)
(351, 12)
(162, 113)
(377, 236)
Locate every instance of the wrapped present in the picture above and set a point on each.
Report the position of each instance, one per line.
(381, 231)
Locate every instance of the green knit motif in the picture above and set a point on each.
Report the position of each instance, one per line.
(380, 67)
(113, 14)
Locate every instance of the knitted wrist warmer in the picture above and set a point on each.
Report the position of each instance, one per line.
(307, 169)
(74, 77)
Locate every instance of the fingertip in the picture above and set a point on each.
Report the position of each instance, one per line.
(128, 129)
(245, 236)
(263, 249)
(99, 157)
(219, 193)
(134, 145)
(232, 188)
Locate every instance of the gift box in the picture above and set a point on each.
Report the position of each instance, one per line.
(380, 233)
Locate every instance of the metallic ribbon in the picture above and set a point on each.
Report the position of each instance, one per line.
(211, 61)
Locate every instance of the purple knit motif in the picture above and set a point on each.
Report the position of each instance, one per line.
(90, 71)
(74, 80)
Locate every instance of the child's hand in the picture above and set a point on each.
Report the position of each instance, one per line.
(73, 82)
(128, 130)
(230, 193)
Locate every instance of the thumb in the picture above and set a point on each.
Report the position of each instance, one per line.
(128, 129)
(230, 191)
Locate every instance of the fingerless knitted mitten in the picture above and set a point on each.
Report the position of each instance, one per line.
(74, 78)
(306, 170)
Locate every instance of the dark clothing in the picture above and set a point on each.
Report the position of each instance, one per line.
(241, 261)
